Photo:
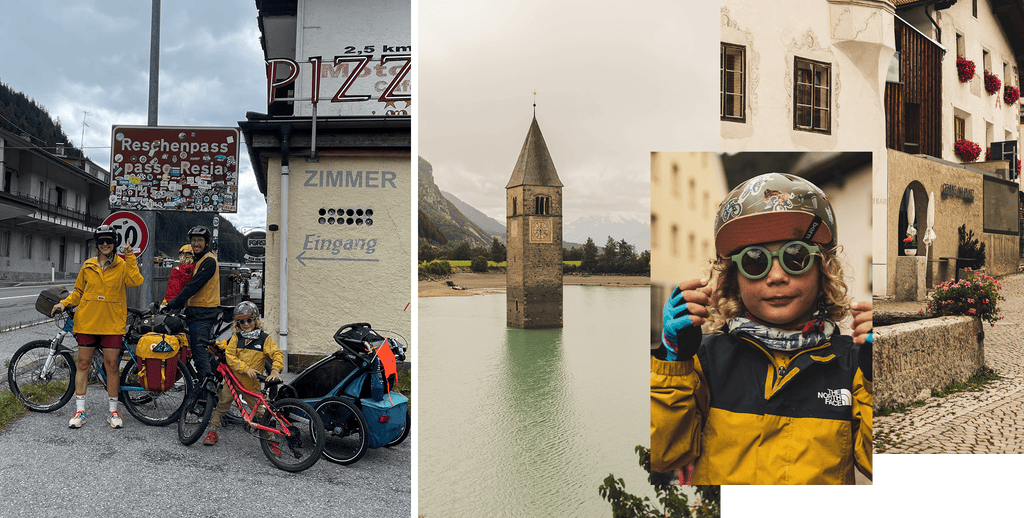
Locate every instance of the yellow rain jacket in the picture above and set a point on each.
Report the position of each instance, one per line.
(743, 415)
(100, 295)
(252, 353)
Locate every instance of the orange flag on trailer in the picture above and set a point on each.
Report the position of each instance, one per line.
(387, 359)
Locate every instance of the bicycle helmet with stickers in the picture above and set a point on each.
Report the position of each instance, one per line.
(774, 207)
(245, 309)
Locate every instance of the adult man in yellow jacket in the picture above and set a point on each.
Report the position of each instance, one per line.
(200, 298)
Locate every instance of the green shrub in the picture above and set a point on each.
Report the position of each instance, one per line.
(478, 264)
(439, 268)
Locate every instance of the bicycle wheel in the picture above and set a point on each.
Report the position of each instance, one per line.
(41, 387)
(195, 415)
(405, 430)
(346, 430)
(154, 408)
(303, 447)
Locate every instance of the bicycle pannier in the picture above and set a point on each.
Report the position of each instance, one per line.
(158, 360)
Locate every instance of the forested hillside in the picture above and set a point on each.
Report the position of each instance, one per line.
(18, 113)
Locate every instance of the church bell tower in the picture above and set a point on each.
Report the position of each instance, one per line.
(534, 236)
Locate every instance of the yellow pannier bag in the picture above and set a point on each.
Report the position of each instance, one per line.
(158, 355)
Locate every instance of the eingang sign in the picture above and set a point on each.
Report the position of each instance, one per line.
(174, 168)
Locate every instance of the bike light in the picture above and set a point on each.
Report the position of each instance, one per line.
(384, 418)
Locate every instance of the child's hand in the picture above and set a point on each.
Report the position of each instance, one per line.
(684, 312)
(861, 321)
(251, 372)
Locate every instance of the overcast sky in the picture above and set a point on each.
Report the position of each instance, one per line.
(93, 56)
(614, 82)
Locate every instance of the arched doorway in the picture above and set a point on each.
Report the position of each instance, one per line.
(914, 191)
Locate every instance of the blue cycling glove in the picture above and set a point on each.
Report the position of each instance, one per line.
(679, 336)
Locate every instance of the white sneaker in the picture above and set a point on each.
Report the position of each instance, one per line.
(114, 418)
(77, 420)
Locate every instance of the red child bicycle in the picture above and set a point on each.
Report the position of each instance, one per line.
(291, 433)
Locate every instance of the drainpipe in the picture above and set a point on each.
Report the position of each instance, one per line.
(931, 18)
(285, 131)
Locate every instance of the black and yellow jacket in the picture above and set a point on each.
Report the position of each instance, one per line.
(744, 414)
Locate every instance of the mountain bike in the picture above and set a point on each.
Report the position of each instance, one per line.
(291, 433)
(42, 375)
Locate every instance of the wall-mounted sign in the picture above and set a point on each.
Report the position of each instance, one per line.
(131, 228)
(949, 189)
(357, 65)
(256, 242)
(174, 168)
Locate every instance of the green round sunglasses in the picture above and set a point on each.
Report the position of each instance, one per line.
(795, 257)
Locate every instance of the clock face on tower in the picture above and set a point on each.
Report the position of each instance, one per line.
(540, 230)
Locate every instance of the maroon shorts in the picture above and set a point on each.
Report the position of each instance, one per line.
(104, 341)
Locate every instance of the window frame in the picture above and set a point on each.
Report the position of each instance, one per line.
(741, 85)
(959, 128)
(814, 67)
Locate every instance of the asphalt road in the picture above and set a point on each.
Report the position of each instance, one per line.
(18, 304)
(47, 469)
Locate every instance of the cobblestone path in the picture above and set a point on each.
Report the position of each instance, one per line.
(987, 421)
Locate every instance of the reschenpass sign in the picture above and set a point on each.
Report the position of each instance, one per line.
(174, 168)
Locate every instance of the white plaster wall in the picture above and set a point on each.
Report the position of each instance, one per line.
(325, 289)
(983, 32)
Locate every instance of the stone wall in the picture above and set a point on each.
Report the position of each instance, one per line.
(918, 356)
(1001, 253)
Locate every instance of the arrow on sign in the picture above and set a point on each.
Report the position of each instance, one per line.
(302, 255)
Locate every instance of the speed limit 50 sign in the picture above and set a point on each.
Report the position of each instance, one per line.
(131, 228)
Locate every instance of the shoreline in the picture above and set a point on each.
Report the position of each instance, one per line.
(494, 283)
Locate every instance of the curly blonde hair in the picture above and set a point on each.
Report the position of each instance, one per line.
(727, 304)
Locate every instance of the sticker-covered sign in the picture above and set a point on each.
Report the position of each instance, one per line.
(174, 168)
(132, 230)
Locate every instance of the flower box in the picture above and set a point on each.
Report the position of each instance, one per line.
(966, 150)
(964, 69)
(992, 83)
(1011, 94)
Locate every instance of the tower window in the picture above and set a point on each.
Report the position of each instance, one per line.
(542, 205)
(515, 203)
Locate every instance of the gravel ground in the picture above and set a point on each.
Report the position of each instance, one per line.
(47, 469)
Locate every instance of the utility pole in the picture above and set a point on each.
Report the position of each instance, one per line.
(148, 216)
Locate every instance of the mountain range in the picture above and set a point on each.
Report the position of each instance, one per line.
(444, 218)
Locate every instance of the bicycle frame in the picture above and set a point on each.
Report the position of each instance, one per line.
(235, 386)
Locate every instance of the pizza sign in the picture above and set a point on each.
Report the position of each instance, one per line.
(174, 168)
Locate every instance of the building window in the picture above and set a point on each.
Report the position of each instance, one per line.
(811, 96)
(733, 84)
(960, 50)
(959, 128)
(515, 202)
(675, 240)
(5, 243)
(654, 232)
(974, 8)
(42, 190)
(28, 246)
(693, 194)
(986, 61)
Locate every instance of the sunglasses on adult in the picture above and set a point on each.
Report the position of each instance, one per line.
(795, 257)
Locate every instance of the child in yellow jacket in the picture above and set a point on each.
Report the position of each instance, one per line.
(246, 352)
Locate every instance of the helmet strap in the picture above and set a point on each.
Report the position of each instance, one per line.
(812, 228)
(818, 322)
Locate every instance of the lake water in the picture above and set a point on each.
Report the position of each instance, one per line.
(521, 423)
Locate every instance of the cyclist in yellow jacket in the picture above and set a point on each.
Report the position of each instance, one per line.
(200, 298)
(246, 352)
(101, 296)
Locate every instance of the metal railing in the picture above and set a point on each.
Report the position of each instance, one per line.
(55, 209)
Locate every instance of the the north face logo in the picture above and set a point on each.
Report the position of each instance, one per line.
(836, 397)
